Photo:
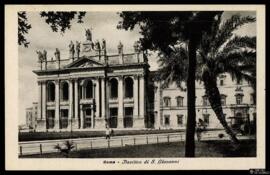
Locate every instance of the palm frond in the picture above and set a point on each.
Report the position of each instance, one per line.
(228, 27)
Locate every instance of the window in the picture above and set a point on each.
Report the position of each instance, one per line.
(64, 87)
(167, 119)
(113, 88)
(50, 119)
(253, 98)
(206, 118)
(128, 119)
(129, 87)
(239, 99)
(64, 118)
(221, 82)
(223, 99)
(167, 101)
(238, 81)
(180, 120)
(179, 101)
(205, 101)
(51, 92)
(89, 89)
(113, 118)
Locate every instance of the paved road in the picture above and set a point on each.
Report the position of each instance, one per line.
(47, 146)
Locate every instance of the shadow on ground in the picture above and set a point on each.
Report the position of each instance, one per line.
(221, 148)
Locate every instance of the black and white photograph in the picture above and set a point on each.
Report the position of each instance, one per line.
(136, 88)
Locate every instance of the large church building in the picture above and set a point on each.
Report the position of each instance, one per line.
(93, 89)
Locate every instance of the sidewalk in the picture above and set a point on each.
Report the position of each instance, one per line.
(40, 147)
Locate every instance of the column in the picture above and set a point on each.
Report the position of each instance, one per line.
(136, 97)
(94, 98)
(57, 105)
(44, 100)
(157, 105)
(102, 97)
(81, 117)
(70, 97)
(97, 97)
(142, 98)
(39, 114)
(120, 120)
(76, 98)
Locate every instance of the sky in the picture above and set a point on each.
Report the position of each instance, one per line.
(102, 24)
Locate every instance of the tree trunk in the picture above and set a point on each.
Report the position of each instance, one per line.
(191, 118)
(213, 94)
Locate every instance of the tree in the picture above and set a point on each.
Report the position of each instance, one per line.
(58, 21)
(219, 52)
(163, 29)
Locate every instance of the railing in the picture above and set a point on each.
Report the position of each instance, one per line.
(41, 147)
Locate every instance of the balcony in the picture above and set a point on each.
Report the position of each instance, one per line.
(113, 100)
(51, 103)
(129, 100)
(86, 101)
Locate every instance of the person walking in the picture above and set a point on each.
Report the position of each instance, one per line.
(107, 133)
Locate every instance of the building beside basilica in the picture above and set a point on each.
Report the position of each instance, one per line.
(93, 89)
(237, 98)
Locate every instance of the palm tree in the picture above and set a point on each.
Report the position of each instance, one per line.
(219, 52)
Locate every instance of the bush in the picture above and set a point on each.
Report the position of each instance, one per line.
(220, 135)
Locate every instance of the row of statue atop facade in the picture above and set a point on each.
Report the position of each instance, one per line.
(88, 46)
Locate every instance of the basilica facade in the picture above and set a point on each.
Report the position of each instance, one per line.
(91, 89)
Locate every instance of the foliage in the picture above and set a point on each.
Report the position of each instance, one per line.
(58, 21)
(160, 30)
(23, 28)
(68, 146)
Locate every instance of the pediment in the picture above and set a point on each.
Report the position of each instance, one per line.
(84, 62)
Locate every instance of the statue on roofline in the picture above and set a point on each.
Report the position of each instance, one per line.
(120, 48)
(71, 49)
(40, 56)
(57, 54)
(88, 34)
(97, 45)
(78, 48)
(103, 45)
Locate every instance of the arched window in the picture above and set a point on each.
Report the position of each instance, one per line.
(64, 88)
(51, 92)
(128, 87)
(88, 89)
(113, 88)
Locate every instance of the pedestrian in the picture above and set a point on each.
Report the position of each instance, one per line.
(107, 133)
(199, 129)
(112, 132)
